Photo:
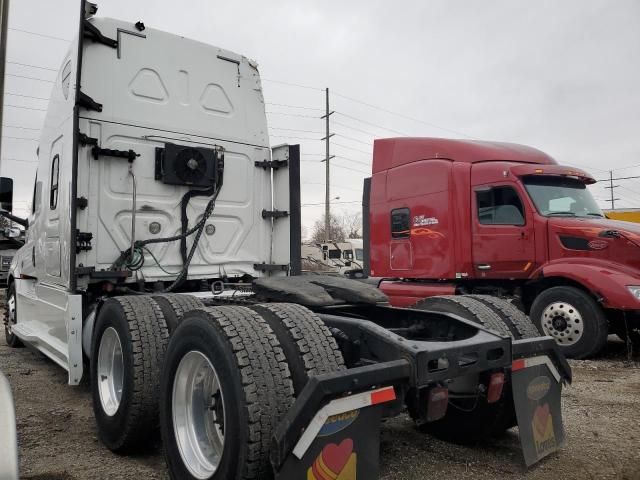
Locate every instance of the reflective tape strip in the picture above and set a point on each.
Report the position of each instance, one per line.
(338, 406)
(533, 361)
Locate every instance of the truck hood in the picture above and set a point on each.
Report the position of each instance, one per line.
(594, 226)
(582, 237)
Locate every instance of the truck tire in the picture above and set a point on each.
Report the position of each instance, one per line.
(230, 356)
(467, 307)
(573, 319)
(10, 316)
(127, 350)
(306, 341)
(175, 305)
(519, 324)
(481, 420)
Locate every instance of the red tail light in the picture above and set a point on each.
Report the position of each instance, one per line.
(437, 401)
(496, 385)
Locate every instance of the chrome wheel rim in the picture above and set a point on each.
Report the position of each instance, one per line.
(198, 415)
(110, 371)
(11, 312)
(563, 322)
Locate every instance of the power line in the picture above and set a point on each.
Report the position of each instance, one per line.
(293, 106)
(32, 66)
(339, 166)
(373, 124)
(333, 184)
(293, 138)
(633, 195)
(333, 203)
(351, 148)
(407, 117)
(292, 84)
(353, 139)
(29, 78)
(619, 178)
(356, 129)
(626, 168)
(367, 164)
(291, 115)
(39, 34)
(296, 130)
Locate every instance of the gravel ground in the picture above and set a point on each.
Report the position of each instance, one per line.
(57, 434)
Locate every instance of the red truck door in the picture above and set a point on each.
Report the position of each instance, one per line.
(503, 239)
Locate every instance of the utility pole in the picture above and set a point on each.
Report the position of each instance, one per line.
(328, 157)
(4, 21)
(611, 187)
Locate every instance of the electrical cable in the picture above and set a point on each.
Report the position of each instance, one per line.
(292, 115)
(292, 84)
(350, 148)
(296, 130)
(294, 106)
(369, 144)
(373, 124)
(401, 115)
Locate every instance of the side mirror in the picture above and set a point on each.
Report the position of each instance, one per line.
(6, 194)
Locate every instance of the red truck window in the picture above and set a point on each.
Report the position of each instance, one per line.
(499, 206)
(400, 225)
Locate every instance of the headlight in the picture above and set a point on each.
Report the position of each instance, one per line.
(635, 291)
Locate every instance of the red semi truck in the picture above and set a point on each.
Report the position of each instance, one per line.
(449, 217)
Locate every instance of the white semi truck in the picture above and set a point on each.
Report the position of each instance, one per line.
(159, 264)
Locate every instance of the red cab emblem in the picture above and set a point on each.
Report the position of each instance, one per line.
(598, 244)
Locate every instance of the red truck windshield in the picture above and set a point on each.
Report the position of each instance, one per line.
(558, 196)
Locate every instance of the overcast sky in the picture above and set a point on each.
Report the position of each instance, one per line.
(561, 76)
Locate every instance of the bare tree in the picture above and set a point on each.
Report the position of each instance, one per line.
(336, 231)
(351, 223)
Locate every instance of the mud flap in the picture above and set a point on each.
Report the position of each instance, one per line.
(537, 387)
(342, 442)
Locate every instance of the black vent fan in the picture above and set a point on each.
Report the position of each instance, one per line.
(180, 165)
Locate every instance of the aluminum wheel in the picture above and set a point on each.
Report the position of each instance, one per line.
(198, 414)
(563, 322)
(11, 312)
(110, 371)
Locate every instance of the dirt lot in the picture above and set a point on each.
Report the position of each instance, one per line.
(58, 440)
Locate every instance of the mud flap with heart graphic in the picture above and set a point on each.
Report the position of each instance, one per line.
(347, 448)
(536, 394)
